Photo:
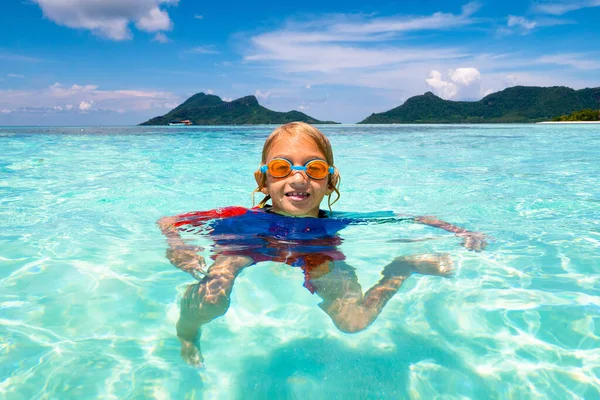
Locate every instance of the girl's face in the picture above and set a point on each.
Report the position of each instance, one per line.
(296, 195)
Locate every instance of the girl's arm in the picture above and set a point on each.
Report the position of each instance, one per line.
(471, 240)
(179, 253)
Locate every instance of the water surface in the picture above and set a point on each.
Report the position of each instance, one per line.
(88, 301)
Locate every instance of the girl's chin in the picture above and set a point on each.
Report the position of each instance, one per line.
(292, 211)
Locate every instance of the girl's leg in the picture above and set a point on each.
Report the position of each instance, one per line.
(342, 295)
(205, 301)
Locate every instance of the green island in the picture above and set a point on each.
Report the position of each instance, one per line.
(581, 115)
(207, 109)
(518, 104)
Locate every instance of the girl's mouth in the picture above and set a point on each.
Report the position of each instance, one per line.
(297, 196)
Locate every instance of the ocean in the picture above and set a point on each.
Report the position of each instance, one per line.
(89, 302)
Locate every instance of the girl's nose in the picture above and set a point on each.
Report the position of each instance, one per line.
(299, 176)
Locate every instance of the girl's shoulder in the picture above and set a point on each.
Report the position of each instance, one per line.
(198, 217)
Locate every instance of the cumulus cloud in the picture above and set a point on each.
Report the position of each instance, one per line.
(85, 106)
(109, 18)
(510, 80)
(209, 91)
(444, 89)
(262, 95)
(463, 84)
(15, 76)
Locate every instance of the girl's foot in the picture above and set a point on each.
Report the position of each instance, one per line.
(427, 264)
(191, 354)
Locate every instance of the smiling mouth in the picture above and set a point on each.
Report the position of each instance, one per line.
(297, 195)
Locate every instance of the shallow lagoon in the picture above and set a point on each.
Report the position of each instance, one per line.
(88, 301)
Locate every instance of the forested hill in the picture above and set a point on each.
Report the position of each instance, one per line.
(515, 104)
(207, 109)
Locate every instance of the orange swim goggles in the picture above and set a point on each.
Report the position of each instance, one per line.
(282, 167)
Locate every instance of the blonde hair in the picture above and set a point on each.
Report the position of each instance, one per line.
(310, 132)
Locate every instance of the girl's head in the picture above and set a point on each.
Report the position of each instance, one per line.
(297, 194)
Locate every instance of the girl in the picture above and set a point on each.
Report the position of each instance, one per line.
(296, 173)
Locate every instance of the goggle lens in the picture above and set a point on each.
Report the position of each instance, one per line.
(279, 168)
(317, 169)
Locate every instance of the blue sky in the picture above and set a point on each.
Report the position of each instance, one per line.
(112, 62)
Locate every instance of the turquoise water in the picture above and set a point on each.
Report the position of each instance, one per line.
(89, 303)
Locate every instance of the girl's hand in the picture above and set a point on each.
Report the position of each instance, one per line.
(473, 240)
(187, 259)
(166, 223)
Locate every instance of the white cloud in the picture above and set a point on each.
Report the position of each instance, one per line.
(510, 80)
(15, 76)
(85, 106)
(578, 61)
(464, 84)
(227, 99)
(75, 98)
(161, 38)
(155, 20)
(198, 16)
(563, 7)
(465, 76)
(398, 24)
(444, 89)
(209, 91)
(262, 95)
(208, 49)
(520, 22)
(345, 42)
(517, 25)
(18, 57)
(109, 18)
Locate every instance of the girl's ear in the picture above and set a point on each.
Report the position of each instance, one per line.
(259, 177)
(330, 188)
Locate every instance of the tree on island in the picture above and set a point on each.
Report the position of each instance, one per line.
(582, 115)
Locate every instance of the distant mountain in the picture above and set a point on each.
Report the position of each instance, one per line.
(208, 109)
(515, 104)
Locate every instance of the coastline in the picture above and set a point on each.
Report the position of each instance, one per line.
(569, 122)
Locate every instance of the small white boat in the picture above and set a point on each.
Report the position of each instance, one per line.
(185, 122)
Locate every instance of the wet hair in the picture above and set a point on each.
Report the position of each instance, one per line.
(310, 132)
